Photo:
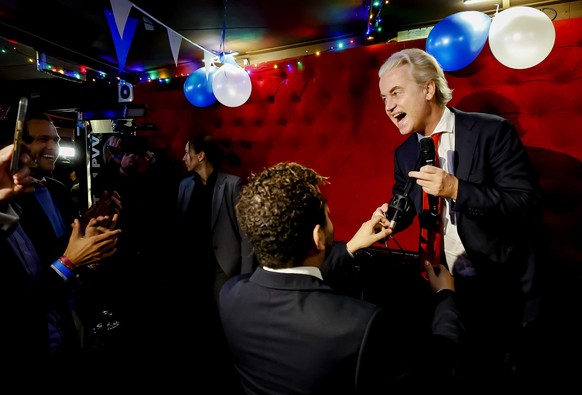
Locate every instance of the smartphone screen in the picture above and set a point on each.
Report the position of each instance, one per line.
(18, 131)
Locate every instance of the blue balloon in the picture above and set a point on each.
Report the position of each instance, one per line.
(198, 88)
(458, 39)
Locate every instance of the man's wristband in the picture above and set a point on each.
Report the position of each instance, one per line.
(62, 270)
(67, 262)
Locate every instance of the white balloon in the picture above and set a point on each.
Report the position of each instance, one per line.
(231, 85)
(521, 37)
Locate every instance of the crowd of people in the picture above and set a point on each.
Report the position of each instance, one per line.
(238, 274)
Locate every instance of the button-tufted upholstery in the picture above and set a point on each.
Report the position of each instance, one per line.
(327, 113)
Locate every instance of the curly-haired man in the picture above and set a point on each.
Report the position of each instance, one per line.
(288, 331)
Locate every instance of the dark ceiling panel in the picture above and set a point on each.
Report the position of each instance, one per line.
(78, 31)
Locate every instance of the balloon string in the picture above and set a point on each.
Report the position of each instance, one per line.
(223, 38)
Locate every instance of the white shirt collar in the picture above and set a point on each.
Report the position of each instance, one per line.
(445, 125)
(308, 270)
(447, 122)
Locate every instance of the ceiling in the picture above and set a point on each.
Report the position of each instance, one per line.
(76, 32)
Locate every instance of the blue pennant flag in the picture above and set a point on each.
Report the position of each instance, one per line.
(121, 44)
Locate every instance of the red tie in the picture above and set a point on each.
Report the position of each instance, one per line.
(430, 223)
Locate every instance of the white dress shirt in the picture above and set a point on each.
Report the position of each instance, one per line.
(455, 254)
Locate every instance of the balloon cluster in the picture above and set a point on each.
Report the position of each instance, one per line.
(198, 87)
(519, 38)
(229, 84)
(457, 40)
(232, 85)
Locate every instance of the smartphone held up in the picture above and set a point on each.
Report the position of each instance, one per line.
(18, 132)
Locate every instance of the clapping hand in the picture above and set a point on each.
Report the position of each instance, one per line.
(108, 205)
(99, 244)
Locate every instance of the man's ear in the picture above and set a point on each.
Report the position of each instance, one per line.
(430, 88)
(319, 238)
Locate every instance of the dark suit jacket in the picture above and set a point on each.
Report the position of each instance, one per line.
(499, 205)
(231, 247)
(293, 334)
(38, 225)
(25, 298)
(49, 248)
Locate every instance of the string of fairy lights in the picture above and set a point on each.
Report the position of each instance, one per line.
(374, 28)
(47, 64)
(81, 73)
(375, 19)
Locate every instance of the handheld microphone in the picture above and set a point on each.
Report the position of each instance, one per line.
(427, 157)
(400, 204)
(398, 207)
(427, 151)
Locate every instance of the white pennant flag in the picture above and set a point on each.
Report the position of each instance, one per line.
(121, 9)
(207, 62)
(175, 42)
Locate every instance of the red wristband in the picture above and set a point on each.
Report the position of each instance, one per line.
(67, 262)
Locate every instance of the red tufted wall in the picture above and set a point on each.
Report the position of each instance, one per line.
(328, 114)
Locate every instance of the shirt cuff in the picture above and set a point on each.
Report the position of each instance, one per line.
(349, 252)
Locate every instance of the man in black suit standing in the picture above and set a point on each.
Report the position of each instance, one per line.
(211, 248)
(288, 331)
(206, 218)
(492, 210)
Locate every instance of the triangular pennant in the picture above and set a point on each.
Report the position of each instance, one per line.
(175, 42)
(121, 9)
(121, 44)
(207, 62)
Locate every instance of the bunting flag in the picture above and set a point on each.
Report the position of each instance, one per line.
(121, 44)
(121, 9)
(123, 29)
(175, 42)
(208, 61)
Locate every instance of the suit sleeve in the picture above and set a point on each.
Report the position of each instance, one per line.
(393, 360)
(248, 258)
(403, 163)
(446, 321)
(338, 268)
(439, 359)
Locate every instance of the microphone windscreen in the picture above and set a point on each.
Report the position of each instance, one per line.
(427, 151)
